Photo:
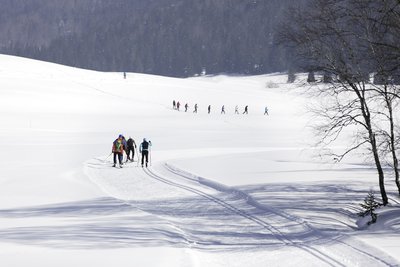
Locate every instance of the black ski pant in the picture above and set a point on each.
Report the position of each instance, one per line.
(128, 153)
(145, 154)
(119, 155)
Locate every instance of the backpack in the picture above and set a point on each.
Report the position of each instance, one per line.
(145, 145)
(118, 146)
(129, 143)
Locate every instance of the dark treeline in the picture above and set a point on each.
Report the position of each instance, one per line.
(167, 37)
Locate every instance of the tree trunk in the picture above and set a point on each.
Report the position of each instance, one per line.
(371, 135)
(392, 144)
(311, 77)
(379, 169)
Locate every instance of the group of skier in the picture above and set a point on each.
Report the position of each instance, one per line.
(176, 106)
(121, 145)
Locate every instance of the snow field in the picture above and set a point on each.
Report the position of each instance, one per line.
(223, 190)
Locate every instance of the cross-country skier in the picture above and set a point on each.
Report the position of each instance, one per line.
(209, 109)
(223, 109)
(266, 110)
(174, 104)
(178, 105)
(237, 109)
(118, 150)
(195, 108)
(246, 110)
(186, 107)
(130, 147)
(144, 149)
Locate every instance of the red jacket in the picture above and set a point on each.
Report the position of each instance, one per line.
(118, 146)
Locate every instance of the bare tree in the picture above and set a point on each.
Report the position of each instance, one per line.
(331, 37)
(382, 31)
(389, 135)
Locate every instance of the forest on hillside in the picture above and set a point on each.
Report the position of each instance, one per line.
(178, 38)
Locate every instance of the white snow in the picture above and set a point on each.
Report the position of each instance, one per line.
(222, 190)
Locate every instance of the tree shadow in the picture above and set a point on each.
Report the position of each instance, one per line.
(264, 217)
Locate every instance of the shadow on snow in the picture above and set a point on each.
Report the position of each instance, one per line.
(193, 222)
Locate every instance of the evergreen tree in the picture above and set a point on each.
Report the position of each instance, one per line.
(311, 77)
(327, 77)
(291, 76)
(164, 37)
(369, 206)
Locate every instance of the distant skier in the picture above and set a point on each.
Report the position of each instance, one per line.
(118, 150)
(186, 107)
(144, 149)
(223, 109)
(209, 109)
(124, 75)
(237, 109)
(266, 110)
(173, 104)
(195, 108)
(246, 110)
(178, 105)
(130, 147)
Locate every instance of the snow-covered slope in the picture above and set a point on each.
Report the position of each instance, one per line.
(222, 189)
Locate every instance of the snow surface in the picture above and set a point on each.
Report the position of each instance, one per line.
(222, 190)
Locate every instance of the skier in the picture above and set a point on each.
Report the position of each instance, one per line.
(124, 75)
(209, 109)
(246, 110)
(125, 145)
(223, 109)
(236, 109)
(178, 105)
(144, 149)
(118, 150)
(186, 107)
(130, 147)
(195, 108)
(266, 110)
(173, 104)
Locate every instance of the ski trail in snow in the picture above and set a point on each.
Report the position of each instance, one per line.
(226, 205)
(276, 232)
(326, 255)
(247, 197)
(274, 227)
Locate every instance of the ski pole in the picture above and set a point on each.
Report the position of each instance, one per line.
(108, 156)
(138, 158)
(150, 154)
(137, 153)
(150, 144)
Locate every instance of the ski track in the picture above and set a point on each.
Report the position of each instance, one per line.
(324, 256)
(180, 209)
(265, 226)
